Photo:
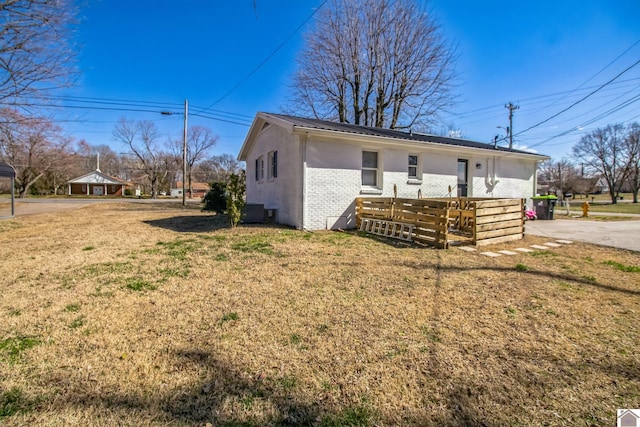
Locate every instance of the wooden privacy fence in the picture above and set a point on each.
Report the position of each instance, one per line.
(439, 222)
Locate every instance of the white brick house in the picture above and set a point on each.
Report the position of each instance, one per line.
(311, 171)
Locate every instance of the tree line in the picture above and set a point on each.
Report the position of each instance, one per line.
(604, 160)
(45, 158)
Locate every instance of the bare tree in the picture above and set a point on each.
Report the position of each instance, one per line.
(34, 146)
(93, 157)
(142, 139)
(560, 176)
(604, 151)
(380, 63)
(200, 140)
(35, 49)
(218, 168)
(632, 146)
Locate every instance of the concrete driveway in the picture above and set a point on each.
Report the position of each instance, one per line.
(619, 234)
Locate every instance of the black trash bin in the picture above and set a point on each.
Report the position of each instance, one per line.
(544, 206)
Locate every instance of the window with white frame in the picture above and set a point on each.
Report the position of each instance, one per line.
(272, 159)
(369, 168)
(412, 168)
(260, 168)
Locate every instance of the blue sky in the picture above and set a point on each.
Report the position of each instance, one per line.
(156, 54)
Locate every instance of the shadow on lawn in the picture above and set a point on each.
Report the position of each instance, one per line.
(192, 223)
(226, 396)
(547, 274)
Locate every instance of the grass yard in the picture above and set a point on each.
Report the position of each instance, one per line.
(620, 207)
(131, 314)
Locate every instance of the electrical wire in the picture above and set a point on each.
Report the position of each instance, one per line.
(105, 104)
(271, 55)
(579, 101)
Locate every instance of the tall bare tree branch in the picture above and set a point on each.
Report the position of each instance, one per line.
(33, 146)
(381, 63)
(36, 54)
(142, 139)
(604, 151)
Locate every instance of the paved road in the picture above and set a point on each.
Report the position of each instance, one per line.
(619, 234)
(42, 205)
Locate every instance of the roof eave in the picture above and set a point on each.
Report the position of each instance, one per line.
(258, 122)
(385, 140)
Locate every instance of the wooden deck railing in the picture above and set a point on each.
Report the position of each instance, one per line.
(484, 221)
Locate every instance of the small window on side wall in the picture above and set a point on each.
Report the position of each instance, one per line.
(273, 164)
(369, 168)
(412, 169)
(259, 168)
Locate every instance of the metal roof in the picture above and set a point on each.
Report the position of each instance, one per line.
(389, 133)
(7, 171)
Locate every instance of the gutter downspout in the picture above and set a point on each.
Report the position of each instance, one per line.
(535, 179)
(303, 211)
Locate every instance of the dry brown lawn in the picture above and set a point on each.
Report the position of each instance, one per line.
(127, 314)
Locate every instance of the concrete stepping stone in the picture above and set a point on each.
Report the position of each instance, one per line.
(467, 248)
(490, 254)
(505, 252)
(540, 247)
(566, 242)
(525, 250)
(553, 245)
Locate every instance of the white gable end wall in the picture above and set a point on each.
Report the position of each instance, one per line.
(283, 192)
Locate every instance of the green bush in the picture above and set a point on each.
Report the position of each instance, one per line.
(216, 199)
(236, 197)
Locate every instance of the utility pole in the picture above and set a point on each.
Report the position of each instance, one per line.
(511, 108)
(560, 178)
(184, 148)
(184, 153)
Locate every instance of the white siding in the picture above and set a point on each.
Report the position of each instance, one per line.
(283, 192)
(502, 177)
(334, 179)
(333, 183)
(334, 175)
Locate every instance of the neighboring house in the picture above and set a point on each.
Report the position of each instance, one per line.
(96, 183)
(601, 186)
(309, 172)
(199, 189)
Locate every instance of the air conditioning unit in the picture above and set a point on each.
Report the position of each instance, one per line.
(253, 214)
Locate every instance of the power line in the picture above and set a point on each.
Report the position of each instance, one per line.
(497, 108)
(594, 75)
(113, 107)
(580, 100)
(271, 55)
(592, 120)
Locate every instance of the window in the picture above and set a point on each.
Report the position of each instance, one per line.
(369, 168)
(259, 168)
(412, 170)
(273, 164)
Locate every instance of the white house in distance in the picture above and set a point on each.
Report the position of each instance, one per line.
(96, 183)
(309, 172)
